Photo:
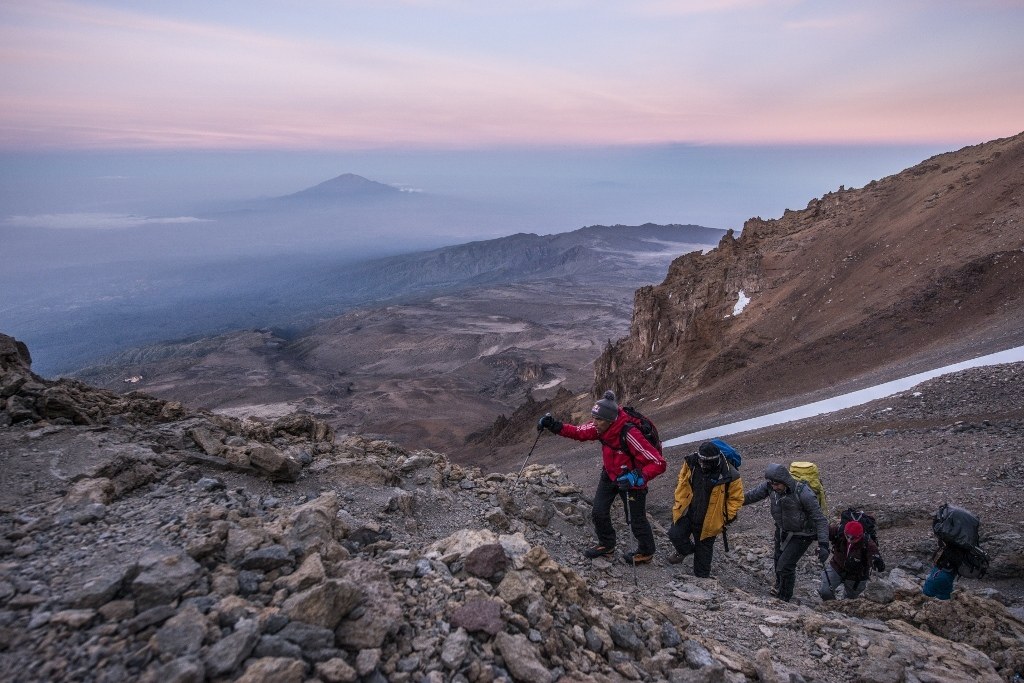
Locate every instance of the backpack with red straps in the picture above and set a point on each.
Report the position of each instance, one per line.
(638, 420)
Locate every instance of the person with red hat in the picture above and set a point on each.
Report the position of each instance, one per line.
(854, 554)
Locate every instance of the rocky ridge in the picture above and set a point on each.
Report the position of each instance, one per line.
(901, 270)
(376, 563)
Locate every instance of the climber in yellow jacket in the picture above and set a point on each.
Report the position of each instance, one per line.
(709, 495)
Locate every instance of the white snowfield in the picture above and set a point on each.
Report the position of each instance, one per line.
(854, 398)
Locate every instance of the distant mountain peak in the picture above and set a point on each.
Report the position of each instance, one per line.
(344, 186)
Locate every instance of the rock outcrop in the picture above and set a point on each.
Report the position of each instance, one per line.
(924, 258)
(277, 450)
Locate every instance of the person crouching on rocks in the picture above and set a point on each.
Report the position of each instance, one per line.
(629, 464)
(709, 495)
(853, 556)
(798, 521)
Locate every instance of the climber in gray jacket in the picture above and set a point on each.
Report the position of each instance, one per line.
(798, 521)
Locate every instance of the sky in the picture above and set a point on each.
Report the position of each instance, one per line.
(443, 74)
(550, 114)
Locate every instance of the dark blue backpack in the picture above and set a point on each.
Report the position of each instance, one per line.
(730, 453)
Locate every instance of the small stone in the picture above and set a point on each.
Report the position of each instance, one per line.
(73, 618)
(227, 654)
(274, 670)
(521, 659)
(182, 634)
(455, 649)
(336, 670)
(367, 661)
(486, 561)
(625, 637)
(267, 559)
(276, 646)
(697, 655)
(479, 614)
(210, 483)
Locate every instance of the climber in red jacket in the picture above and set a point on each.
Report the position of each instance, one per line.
(630, 462)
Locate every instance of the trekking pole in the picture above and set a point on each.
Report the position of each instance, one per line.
(725, 526)
(527, 459)
(725, 517)
(629, 523)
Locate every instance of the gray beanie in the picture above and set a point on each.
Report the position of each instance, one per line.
(606, 408)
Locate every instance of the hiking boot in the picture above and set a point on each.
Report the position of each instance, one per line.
(676, 558)
(638, 558)
(598, 551)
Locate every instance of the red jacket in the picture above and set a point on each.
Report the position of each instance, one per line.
(617, 462)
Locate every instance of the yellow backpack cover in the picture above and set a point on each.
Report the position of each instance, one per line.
(808, 472)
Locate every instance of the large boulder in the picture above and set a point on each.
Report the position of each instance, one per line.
(276, 465)
(323, 605)
(381, 613)
(164, 574)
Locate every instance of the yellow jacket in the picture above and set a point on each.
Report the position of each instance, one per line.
(714, 520)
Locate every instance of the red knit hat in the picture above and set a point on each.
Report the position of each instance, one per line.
(854, 531)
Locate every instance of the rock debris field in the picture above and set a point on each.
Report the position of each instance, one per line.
(140, 541)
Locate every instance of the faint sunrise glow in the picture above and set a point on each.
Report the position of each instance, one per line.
(356, 74)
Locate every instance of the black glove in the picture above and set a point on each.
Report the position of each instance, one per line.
(548, 422)
(730, 520)
(823, 552)
(878, 563)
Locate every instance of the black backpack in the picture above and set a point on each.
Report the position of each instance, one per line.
(644, 424)
(958, 527)
(866, 521)
(975, 564)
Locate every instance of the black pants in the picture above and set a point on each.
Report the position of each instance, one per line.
(636, 499)
(787, 556)
(685, 537)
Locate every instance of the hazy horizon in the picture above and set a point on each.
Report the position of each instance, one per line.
(543, 190)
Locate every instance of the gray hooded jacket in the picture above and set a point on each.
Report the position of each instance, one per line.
(797, 510)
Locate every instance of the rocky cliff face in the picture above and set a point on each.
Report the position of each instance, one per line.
(926, 258)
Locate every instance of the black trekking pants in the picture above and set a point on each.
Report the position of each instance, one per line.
(788, 551)
(636, 513)
(685, 537)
